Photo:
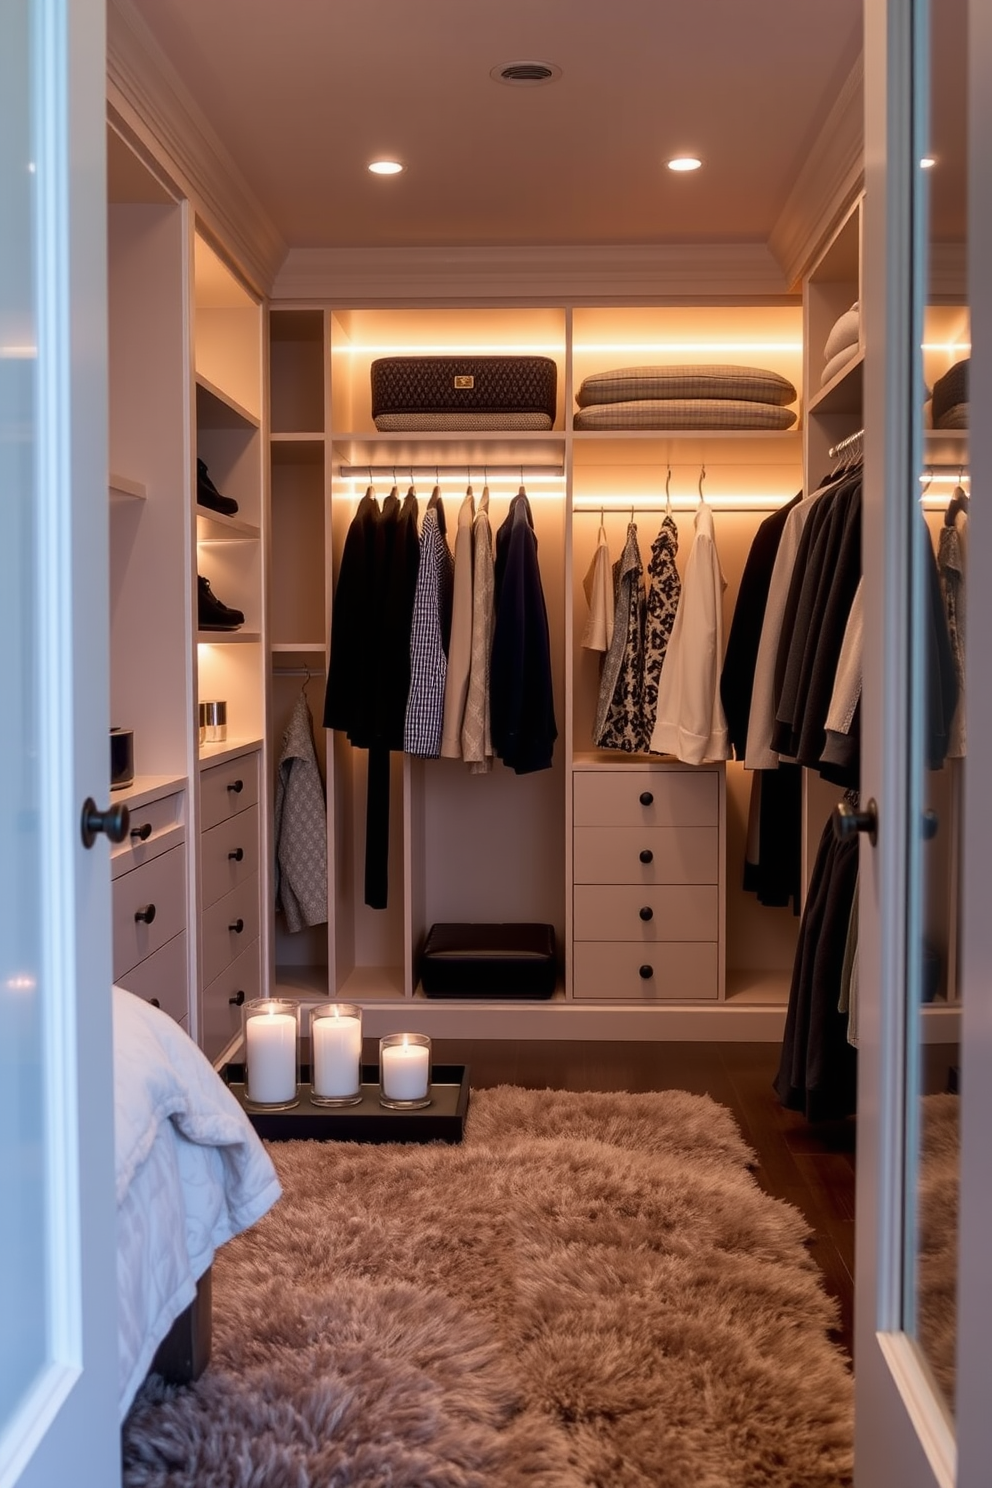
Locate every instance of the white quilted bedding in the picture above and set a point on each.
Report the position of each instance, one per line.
(191, 1173)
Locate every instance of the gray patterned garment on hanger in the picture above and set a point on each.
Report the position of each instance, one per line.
(619, 717)
(664, 589)
(300, 826)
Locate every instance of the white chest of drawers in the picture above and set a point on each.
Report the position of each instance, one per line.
(148, 871)
(648, 893)
(230, 904)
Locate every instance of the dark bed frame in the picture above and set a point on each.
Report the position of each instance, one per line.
(184, 1352)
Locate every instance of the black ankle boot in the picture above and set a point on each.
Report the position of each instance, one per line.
(207, 493)
(213, 614)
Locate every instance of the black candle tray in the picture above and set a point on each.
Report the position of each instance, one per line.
(442, 1121)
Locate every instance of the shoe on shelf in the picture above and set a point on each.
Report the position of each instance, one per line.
(213, 613)
(207, 493)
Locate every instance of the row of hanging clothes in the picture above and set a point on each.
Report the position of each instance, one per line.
(791, 687)
(661, 639)
(438, 653)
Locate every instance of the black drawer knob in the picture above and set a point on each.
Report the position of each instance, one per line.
(647, 798)
(237, 856)
(154, 1002)
(647, 856)
(645, 972)
(237, 999)
(237, 786)
(646, 912)
(143, 832)
(145, 914)
(237, 927)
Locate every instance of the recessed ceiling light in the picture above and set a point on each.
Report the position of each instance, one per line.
(385, 167)
(524, 74)
(684, 163)
(928, 162)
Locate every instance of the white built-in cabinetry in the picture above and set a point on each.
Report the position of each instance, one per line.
(656, 936)
(186, 380)
(672, 936)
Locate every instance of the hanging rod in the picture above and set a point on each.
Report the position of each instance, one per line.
(477, 468)
(314, 671)
(843, 445)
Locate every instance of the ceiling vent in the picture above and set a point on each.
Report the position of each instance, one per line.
(526, 74)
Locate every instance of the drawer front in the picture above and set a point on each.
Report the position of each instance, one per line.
(672, 912)
(155, 827)
(671, 798)
(162, 978)
(618, 971)
(228, 855)
(220, 1010)
(227, 789)
(156, 889)
(222, 943)
(647, 855)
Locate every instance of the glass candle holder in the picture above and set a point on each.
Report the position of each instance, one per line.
(272, 1053)
(336, 1054)
(405, 1071)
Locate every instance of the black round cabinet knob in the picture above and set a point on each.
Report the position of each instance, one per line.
(237, 926)
(646, 798)
(647, 856)
(237, 786)
(237, 856)
(143, 832)
(645, 972)
(145, 914)
(237, 1000)
(646, 912)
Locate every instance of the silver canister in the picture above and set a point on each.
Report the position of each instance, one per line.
(213, 722)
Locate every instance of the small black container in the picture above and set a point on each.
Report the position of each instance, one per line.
(489, 960)
(121, 758)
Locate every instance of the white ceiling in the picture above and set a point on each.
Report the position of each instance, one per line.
(305, 93)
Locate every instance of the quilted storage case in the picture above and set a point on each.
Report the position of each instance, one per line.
(498, 960)
(472, 392)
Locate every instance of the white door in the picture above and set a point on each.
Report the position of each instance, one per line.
(923, 1312)
(58, 1330)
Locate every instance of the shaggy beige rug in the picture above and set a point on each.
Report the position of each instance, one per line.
(591, 1291)
(937, 1265)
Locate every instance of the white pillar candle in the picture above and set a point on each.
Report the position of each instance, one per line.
(405, 1071)
(271, 1058)
(337, 1055)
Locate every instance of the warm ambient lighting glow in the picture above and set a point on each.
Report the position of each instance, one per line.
(648, 505)
(638, 347)
(684, 346)
(423, 348)
(928, 162)
(684, 163)
(385, 167)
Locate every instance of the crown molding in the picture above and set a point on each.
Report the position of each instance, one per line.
(551, 275)
(832, 174)
(149, 101)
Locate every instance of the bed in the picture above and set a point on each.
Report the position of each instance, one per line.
(191, 1173)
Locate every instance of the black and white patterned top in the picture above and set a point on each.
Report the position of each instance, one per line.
(664, 588)
(619, 717)
(428, 658)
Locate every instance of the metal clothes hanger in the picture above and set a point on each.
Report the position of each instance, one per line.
(959, 501)
(702, 477)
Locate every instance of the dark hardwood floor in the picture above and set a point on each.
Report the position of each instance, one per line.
(810, 1166)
